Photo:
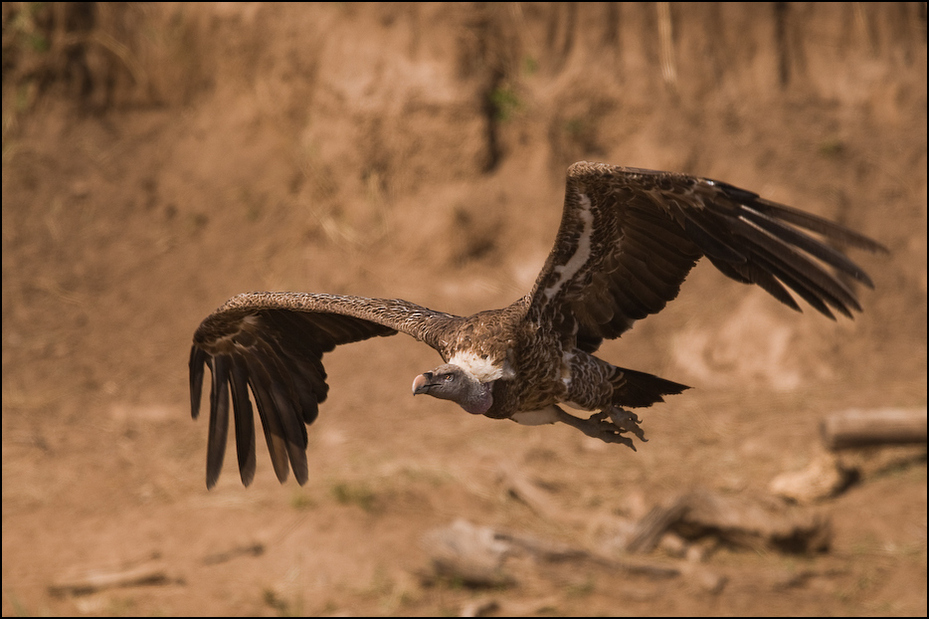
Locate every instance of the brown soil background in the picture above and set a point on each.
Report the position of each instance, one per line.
(159, 159)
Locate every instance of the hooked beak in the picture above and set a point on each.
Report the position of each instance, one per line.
(422, 383)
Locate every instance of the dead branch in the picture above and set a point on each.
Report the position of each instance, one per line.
(735, 520)
(862, 428)
(476, 555)
(93, 580)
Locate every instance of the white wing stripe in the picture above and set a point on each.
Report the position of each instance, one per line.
(581, 254)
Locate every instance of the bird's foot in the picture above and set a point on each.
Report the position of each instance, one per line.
(627, 421)
(608, 425)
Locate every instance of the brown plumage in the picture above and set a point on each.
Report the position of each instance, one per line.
(628, 238)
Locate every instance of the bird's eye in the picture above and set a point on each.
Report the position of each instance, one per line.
(447, 377)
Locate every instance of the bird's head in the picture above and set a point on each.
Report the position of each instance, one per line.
(451, 382)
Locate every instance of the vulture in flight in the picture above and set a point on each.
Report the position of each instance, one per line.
(628, 238)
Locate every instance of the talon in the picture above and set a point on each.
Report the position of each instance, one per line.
(619, 438)
(627, 421)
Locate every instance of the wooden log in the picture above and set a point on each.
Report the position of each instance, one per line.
(862, 428)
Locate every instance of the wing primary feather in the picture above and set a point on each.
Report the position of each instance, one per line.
(283, 394)
(812, 246)
(745, 274)
(307, 387)
(736, 271)
(810, 290)
(295, 432)
(259, 381)
(244, 421)
(795, 282)
(198, 360)
(303, 375)
(710, 243)
(819, 225)
(219, 420)
(805, 272)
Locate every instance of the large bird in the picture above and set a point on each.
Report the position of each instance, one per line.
(628, 238)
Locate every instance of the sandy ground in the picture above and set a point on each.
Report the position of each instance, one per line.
(418, 152)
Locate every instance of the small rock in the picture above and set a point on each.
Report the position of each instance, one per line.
(822, 478)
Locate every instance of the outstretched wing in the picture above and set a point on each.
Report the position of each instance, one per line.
(273, 343)
(629, 237)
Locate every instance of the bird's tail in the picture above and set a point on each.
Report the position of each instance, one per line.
(637, 389)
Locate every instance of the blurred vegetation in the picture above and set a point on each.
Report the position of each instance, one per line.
(61, 44)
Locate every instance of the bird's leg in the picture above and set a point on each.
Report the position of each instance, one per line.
(607, 425)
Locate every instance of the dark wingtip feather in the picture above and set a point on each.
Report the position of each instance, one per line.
(814, 247)
(244, 423)
(247, 473)
(301, 472)
(783, 254)
(198, 359)
(219, 420)
(828, 229)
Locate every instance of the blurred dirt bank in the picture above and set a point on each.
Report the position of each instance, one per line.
(158, 159)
